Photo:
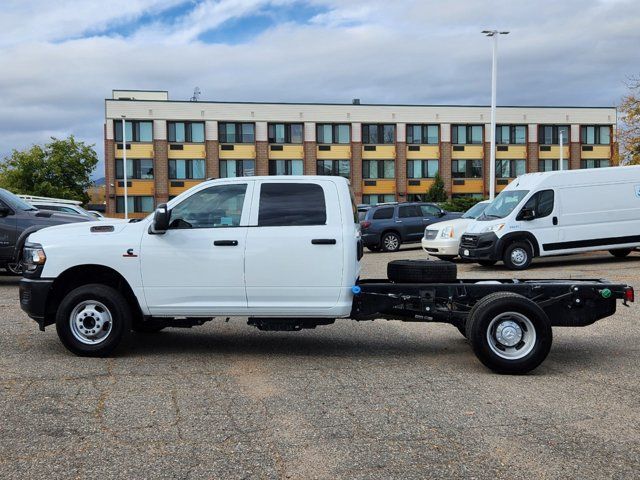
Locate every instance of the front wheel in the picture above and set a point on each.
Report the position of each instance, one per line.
(620, 252)
(391, 242)
(517, 256)
(509, 333)
(93, 320)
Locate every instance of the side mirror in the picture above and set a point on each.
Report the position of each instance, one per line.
(161, 219)
(527, 214)
(4, 211)
(442, 213)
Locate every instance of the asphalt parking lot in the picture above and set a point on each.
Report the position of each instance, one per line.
(374, 400)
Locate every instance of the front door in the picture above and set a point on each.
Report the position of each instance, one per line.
(294, 256)
(544, 225)
(197, 266)
(8, 233)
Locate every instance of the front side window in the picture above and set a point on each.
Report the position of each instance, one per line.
(137, 168)
(378, 169)
(511, 134)
(189, 132)
(186, 169)
(339, 168)
(466, 169)
(285, 167)
(510, 168)
(422, 168)
(136, 131)
(234, 132)
(423, 134)
(595, 134)
(467, 134)
(285, 133)
(291, 204)
(213, 207)
(429, 210)
(378, 134)
(237, 168)
(333, 133)
(550, 134)
(541, 203)
(135, 203)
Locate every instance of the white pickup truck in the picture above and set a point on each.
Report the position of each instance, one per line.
(284, 252)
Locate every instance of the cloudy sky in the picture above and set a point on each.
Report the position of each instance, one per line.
(61, 59)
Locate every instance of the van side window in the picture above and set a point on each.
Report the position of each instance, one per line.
(383, 213)
(213, 207)
(409, 211)
(291, 204)
(541, 203)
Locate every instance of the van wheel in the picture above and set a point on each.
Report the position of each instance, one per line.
(421, 271)
(93, 320)
(509, 333)
(391, 242)
(487, 263)
(517, 256)
(620, 252)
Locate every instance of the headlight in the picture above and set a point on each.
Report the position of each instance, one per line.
(494, 228)
(447, 232)
(33, 256)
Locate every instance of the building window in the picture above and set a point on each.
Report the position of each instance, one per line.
(338, 168)
(466, 169)
(218, 206)
(285, 133)
(137, 168)
(550, 134)
(422, 168)
(186, 169)
(333, 133)
(511, 134)
(189, 132)
(378, 169)
(595, 134)
(378, 134)
(510, 168)
(237, 168)
(137, 131)
(285, 167)
(476, 196)
(595, 163)
(135, 204)
(423, 134)
(378, 198)
(548, 165)
(467, 134)
(236, 132)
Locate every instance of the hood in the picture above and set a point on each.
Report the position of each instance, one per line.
(80, 229)
(459, 225)
(55, 218)
(481, 227)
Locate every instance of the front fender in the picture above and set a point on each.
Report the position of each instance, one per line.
(21, 240)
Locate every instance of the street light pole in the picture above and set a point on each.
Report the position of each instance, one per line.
(494, 81)
(561, 166)
(124, 168)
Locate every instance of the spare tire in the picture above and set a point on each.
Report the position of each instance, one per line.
(421, 271)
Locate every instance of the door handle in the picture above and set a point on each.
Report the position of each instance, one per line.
(323, 241)
(225, 243)
(555, 220)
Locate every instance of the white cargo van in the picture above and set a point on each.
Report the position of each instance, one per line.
(556, 213)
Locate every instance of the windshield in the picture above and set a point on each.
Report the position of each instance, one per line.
(503, 204)
(476, 210)
(15, 202)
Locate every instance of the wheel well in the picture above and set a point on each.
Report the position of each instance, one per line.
(390, 230)
(85, 274)
(518, 237)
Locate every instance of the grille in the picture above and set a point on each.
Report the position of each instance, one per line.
(469, 241)
(430, 234)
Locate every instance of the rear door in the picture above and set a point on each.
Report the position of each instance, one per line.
(410, 222)
(294, 254)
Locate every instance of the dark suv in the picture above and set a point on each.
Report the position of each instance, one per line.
(18, 219)
(385, 227)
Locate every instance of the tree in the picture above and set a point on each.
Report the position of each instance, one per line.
(60, 169)
(436, 192)
(629, 130)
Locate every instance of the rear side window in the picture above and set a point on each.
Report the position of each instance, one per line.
(541, 203)
(409, 211)
(291, 204)
(383, 213)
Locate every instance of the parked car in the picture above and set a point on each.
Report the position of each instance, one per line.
(442, 239)
(558, 213)
(96, 214)
(67, 208)
(18, 219)
(387, 226)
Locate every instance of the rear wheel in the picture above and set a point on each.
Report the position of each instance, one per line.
(391, 242)
(421, 271)
(620, 252)
(509, 333)
(518, 256)
(93, 320)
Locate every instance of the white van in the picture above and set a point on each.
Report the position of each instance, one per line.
(556, 213)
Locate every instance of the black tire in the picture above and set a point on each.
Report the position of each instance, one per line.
(515, 309)
(445, 258)
(620, 252)
(421, 271)
(390, 242)
(118, 311)
(487, 263)
(147, 327)
(518, 256)
(374, 248)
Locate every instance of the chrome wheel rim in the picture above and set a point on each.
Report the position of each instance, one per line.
(511, 335)
(15, 268)
(391, 242)
(519, 256)
(90, 322)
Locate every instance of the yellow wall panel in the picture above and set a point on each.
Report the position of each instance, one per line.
(599, 151)
(337, 152)
(381, 186)
(554, 152)
(131, 215)
(187, 185)
(288, 152)
(189, 151)
(422, 188)
(426, 152)
(514, 152)
(137, 150)
(382, 152)
(239, 151)
(138, 187)
(471, 185)
(470, 152)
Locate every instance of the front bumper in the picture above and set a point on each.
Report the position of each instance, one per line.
(479, 246)
(441, 247)
(33, 298)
